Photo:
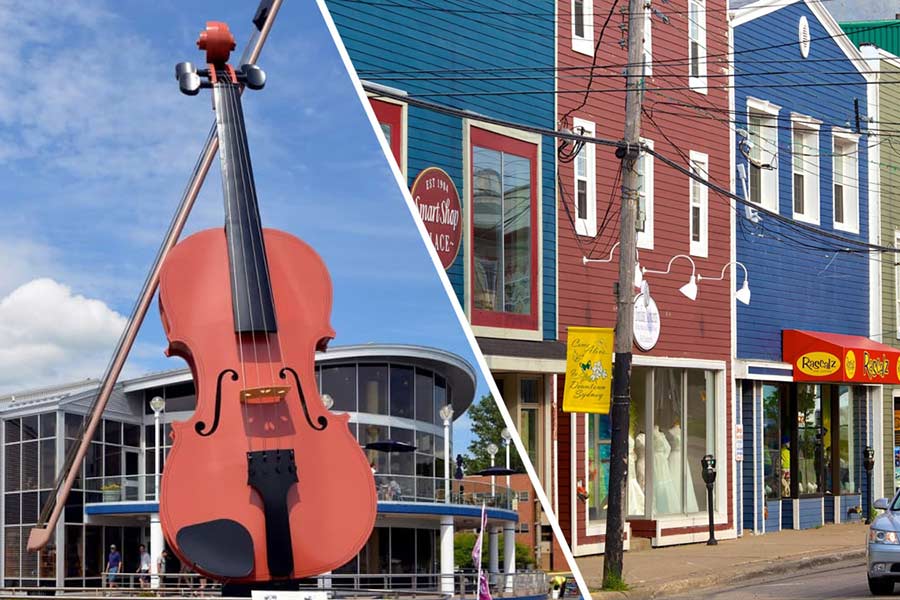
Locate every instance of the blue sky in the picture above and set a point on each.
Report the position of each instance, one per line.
(97, 143)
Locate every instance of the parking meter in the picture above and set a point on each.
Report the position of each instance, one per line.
(869, 464)
(708, 470)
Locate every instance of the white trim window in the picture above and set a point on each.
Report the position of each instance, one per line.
(762, 125)
(644, 221)
(583, 26)
(648, 42)
(698, 217)
(805, 171)
(845, 185)
(896, 259)
(585, 182)
(697, 45)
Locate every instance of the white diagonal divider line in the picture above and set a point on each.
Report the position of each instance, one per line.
(454, 302)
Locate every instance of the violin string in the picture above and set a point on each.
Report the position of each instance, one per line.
(222, 106)
(254, 215)
(244, 175)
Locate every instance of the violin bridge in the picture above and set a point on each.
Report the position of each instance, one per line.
(270, 394)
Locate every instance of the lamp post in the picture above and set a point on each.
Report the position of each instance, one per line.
(446, 414)
(157, 405)
(492, 449)
(507, 437)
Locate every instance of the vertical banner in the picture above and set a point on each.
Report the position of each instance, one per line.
(484, 592)
(588, 370)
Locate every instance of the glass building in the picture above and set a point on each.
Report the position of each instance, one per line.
(391, 392)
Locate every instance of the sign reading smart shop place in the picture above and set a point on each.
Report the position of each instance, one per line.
(437, 201)
(839, 358)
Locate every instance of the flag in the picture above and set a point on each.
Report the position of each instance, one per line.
(484, 592)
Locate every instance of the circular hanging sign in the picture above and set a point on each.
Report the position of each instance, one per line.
(437, 201)
(646, 322)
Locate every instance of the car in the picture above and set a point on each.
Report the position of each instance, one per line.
(883, 547)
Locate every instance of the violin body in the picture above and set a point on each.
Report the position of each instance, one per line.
(331, 507)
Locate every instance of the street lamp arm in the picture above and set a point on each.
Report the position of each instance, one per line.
(668, 270)
(721, 276)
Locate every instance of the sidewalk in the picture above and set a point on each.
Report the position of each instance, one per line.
(659, 572)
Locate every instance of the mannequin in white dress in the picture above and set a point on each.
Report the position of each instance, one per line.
(635, 490)
(665, 500)
(675, 466)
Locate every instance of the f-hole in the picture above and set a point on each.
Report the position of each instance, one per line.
(201, 425)
(322, 421)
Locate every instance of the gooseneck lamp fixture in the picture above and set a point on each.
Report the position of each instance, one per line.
(743, 294)
(638, 276)
(690, 288)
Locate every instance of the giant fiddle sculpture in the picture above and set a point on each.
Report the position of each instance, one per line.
(262, 482)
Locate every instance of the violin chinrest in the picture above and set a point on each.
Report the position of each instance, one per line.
(202, 545)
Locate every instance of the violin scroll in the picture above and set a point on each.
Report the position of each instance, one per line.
(218, 43)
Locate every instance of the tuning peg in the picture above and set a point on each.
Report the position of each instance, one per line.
(254, 77)
(188, 80)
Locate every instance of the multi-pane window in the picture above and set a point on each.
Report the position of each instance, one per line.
(585, 167)
(504, 224)
(699, 205)
(845, 183)
(763, 159)
(28, 457)
(805, 165)
(697, 44)
(583, 26)
(644, 217)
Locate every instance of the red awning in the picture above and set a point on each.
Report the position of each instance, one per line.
(835, 357)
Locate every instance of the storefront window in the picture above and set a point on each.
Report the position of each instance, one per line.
(699, 433)
(668, 466)
(775, 483)
(424, 396)
(846, 451)
(598, 432)
(809, 439)
(637, 442)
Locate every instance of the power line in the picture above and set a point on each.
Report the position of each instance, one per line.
(849, 244)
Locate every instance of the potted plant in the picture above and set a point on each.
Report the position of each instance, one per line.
(112, 492)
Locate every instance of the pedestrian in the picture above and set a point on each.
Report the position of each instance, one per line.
(161, 567)
(113, 564)
(144, 568)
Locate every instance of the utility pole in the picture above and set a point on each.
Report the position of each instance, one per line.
(621, 393)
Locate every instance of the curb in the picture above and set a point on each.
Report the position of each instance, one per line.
(774, 566)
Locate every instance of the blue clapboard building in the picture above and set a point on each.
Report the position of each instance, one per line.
(805, 398)
(499, 64)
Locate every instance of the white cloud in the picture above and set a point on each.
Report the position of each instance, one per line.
(50, 335)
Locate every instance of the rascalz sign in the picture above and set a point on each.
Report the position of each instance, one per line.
(437, 201)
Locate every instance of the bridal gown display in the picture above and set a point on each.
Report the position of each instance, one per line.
(665, 500)
(640, 445)
(675, 464)
(635, 504)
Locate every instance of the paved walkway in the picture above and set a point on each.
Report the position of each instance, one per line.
(659, 572)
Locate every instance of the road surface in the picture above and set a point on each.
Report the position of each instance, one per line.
(845, 580)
